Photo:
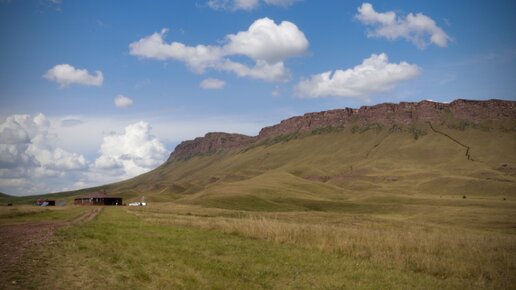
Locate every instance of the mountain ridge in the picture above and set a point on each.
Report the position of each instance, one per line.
(404, 113)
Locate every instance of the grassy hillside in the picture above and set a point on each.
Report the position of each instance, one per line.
(332, 166)
(329, 167)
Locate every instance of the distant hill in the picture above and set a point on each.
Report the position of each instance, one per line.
(321, 160)
(4, 196)
(5, 199)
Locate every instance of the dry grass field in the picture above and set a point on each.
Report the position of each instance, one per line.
(174, 246)
(471, 256)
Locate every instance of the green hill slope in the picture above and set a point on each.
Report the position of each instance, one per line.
(326, 169)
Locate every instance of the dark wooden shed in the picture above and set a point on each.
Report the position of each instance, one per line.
(98, 198)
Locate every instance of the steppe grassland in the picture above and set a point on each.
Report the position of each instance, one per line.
(435, 244)
(117, 250)
(187, 246)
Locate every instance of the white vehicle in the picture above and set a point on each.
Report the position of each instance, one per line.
(140, 203)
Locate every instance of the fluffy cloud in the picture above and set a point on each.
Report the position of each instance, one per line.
(265, 40)
(266, 43)
(59, 159)
(246, 5)
(135, 152)
(261, 70)
(212, 84)
(28, 155)
(34, 145)
(32, 160)
(11, 132)
(415, 28)
(197, 58)
(374, 75)
(65, 75)
(123, 101)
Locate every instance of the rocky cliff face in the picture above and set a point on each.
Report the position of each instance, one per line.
(211, 142)
(383, 114)
(402, 113)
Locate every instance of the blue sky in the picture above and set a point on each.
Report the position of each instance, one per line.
(236, 66)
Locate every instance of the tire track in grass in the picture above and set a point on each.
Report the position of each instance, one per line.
(88, 216)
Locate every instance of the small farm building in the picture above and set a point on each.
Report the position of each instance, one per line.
(98, 198)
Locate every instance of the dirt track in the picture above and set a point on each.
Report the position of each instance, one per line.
(15, 240)
(90, 215)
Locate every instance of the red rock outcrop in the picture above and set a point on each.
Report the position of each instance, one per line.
(384, 114)
(402, 113)
(211, 142)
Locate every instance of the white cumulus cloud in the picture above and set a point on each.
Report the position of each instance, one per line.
(197, 58)
(374, 75)
(32, 160)
(265, 40)
(266, 43)
(29, 155)
(416, 28)
(123, 101)
(212, 84)
(35, 143)
(261, 70)
(135, 151)
(66, 75)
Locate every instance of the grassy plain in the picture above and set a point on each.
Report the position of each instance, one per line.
(173, 246)
(184, 247)
(436, 243)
